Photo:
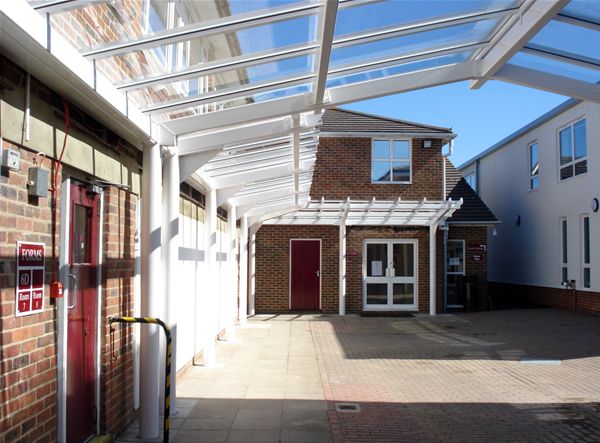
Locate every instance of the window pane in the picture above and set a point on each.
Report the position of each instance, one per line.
(566, 172)
(381, 149)
(376, 259)
(81, 249)
(456, 256)
(401, 149)
(404, 294)
(403, 259)
(564, 275)
(564, 241)
(381, 171)
(377, 293)
(580, 139)
(535, 183)
(566, 147)
(581, 167)
(586, 240)
(587, 278)
(401, 171)
(533, 159)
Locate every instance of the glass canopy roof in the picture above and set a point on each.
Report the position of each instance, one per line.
(197, 67)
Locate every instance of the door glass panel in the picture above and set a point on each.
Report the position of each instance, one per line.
(81, 252)
(377, 293)
(404, 259)
(376, 260)
(456, 257)
(404, 294)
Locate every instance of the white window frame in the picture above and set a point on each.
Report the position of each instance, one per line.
(586, 265)
(533, 175)
(464, 264)
(573, 161)
(563, 226)
(391, 159)
(389, 279)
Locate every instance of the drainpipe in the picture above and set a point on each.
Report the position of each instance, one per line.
(170, 243)
(432, 269)
(243, 307)
(151, 291)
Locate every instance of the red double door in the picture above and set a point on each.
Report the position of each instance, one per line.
(82, 312)
(305, 275)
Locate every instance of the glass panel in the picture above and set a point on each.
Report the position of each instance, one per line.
(81, 247)
(535, 183)
(566, 146)
(585, 9)
(587, 278)
(566, 172)
(376, 259)
(401, 149)
(387, 13)
(381, 149)
(581, 167)
(568, 38)
(401, 171)
(392, 47)
(377, 293)
(403, 259)
(403, 294)
(564, 275)
(381, 171)
(533, 159)
(555, 67)
(580, 139)
(564, 240)
(586, 240)
(456, 257)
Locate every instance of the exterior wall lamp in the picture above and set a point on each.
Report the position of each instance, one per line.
(595, 204)
(427, 143)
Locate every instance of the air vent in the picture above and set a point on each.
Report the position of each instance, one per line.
(347, 407)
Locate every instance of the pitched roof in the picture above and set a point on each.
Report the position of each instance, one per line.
(342, 120)
(473, 209)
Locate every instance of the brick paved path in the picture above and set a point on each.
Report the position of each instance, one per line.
(463, 378)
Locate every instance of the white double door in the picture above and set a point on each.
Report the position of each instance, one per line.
(390, 275)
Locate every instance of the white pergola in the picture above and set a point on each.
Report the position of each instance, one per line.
(248, 129)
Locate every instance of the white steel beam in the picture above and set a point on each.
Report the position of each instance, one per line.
(327, 19)
(535, 14)
(549, 82)
(265, 173)
(243, 304)
(207, 28)
(432, 269)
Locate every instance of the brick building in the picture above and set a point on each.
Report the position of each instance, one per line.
(382, 190)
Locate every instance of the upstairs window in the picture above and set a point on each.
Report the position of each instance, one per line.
(534, 167)
(573, 150)
(390, 161)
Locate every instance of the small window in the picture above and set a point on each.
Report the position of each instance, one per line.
(564, 248)
(455, 256)
(585, 249)
(573, 150)
(534, 167)
(390, 161)
(471, 179)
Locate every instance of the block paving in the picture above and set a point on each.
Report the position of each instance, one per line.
(503, 376)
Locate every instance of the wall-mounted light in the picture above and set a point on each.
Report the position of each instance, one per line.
(427, 143)
(595, 204)
(494, 232)
(518, 220)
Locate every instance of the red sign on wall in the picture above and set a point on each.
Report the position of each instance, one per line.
(30, 278)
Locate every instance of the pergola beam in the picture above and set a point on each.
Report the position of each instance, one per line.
(549, 82)
(535, 15)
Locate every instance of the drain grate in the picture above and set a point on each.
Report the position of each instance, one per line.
(347, 407)
(539, 361)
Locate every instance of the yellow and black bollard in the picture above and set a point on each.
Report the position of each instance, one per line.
(159, 322)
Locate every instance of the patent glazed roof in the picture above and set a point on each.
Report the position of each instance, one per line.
(204, 70)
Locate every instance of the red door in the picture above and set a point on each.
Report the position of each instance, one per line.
(305, 275)
(82, 308)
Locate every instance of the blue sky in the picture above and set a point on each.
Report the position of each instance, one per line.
(479, 117)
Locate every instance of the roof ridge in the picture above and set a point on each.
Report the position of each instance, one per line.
(393, 120)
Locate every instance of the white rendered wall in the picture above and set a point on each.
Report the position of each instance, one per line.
(530, 254)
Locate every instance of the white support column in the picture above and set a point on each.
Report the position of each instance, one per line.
(432, 269)
(232, 292)
(151, 291)
(342, 265)
(210, 299)
(170, 251)
(243, 307)
(252, 267)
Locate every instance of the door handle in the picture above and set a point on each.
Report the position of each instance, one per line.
(74, 290)
(318, 273)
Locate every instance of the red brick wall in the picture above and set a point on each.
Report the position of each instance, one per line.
(586, 301)
(473, 236)
(273, 262)
(343, 169)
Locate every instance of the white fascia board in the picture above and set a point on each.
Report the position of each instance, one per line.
(264, 130)
(402, 82)
(534, 16)
(246, 114)
(446, 136)
(549, 82)
(24, 40)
